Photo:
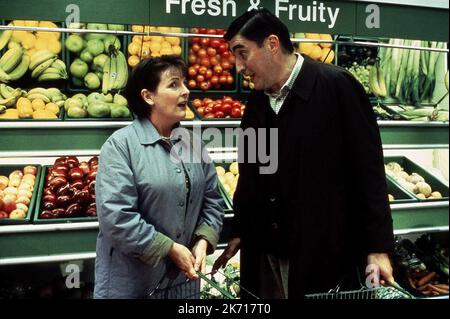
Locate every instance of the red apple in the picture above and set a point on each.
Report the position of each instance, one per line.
(3, 214)
(84, 166)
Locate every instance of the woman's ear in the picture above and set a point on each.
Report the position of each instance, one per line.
(147, 96)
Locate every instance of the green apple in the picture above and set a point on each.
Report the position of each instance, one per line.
(120, 100)
(111, 40)
(116, 27)
(79, 68)
(95, 97)
(91, 81)
(74, 43)
(95, 26)
(95, 47)
(76, 25)
(86, 56)
(100, 60)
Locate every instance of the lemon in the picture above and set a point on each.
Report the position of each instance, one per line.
(220, 171)
(234, 168)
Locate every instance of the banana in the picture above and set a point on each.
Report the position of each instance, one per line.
(21, 69)
(55, 94)
(106, 72)
(11, 59)
(2, 109)
(39, 90)
(7, 102)
(50, 77)
(4, 92)
(42, 67)
(112, 72)
(60, 103)
(4, 77)
(5, 36)
(58, 64)
(35, 96)
(122, 72)
(40, 57)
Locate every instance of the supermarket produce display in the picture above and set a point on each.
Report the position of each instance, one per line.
(62, 93)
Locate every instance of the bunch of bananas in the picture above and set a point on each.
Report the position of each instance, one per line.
(8, 98)
(115, 72)
(14, 64)
(45, 66)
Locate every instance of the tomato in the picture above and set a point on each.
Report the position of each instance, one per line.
(215, 43)
(226, 108)
(214, 80)
(195, 40)
(236, 104)
(194, 30)
(205, 41)
(232, 59)
(201, 53)
(195, 47)
(225, 65)
(214, 61)
(220, 31)
(201, 110)
(205, 62)
(230, 79)
(223, 79)
(204, 86)
(192, 84)
(211, 52)
(208, 74)
(226, 54)
(219, 114)
(192, 58)
(218, 69)
(197, 103)
(236, 112)
(192, 71)
(202, 30)
(196, 66)
(200, 78)
(223, 48)
(209, 116)
(202, 70)
(211, 31)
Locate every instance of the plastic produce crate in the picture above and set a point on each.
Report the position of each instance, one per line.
(37, 209)
(400, 195)
(26, 82)
(409, 166)
(8, 169)
(70, 57)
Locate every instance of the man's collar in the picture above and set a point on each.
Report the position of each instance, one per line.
(287, 86)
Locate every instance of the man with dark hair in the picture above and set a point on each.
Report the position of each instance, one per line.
(325, 211)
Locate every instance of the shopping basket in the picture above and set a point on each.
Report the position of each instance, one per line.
(393, 291)
(206, 287)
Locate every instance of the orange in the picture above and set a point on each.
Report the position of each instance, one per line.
(38, 104)
(133, 60)
(23, 102)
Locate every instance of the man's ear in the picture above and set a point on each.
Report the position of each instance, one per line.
(147, 96)
(273, 43)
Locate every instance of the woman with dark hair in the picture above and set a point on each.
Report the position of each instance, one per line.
(159, 215)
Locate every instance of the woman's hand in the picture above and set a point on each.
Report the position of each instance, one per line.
(199, 252)
(183, 259)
